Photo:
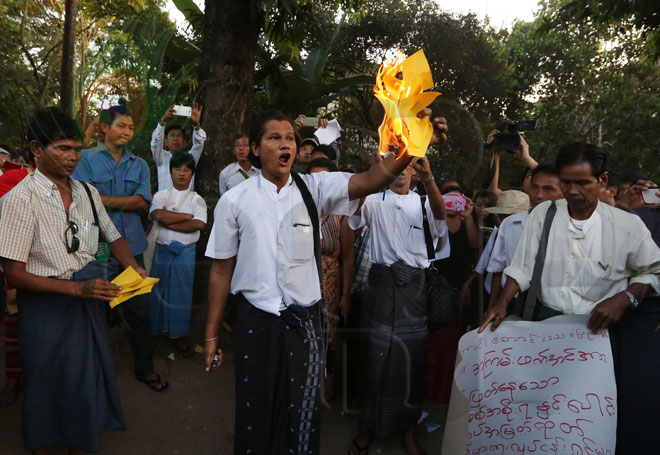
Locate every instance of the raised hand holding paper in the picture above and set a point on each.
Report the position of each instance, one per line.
(131, 284)
(400, 86)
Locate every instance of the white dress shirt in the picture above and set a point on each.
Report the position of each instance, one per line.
(508, 236)
(193, 204)
(162, 157)
(271, 234)
(397, 230)
(484, 259)
(584, 267)
(231, 176)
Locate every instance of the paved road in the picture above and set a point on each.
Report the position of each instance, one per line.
(195, 416)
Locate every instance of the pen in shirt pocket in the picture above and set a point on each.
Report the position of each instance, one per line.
(415, 227)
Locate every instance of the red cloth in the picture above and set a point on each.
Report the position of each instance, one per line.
(440, 360)
(10, 179)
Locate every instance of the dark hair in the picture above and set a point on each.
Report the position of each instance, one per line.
(328, 151)
(614, 180)
(545, 168)
(451, 188)
(630, 177)
(239, 136)
(109, 115)
(182, 159)
(175, 126)
(259, 129)
(491, 219)
(322, 162)
(582, 152)
(51, 124)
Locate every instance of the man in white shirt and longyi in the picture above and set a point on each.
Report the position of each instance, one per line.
(600, 260)
(240, 170)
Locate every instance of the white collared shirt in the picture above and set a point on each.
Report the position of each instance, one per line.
(508, 236)
(271, 234)
(231, 176)
(193, 204)
(584, 267)
(162, 157)
(397, 230)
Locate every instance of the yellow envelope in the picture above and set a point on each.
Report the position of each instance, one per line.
(131, 284)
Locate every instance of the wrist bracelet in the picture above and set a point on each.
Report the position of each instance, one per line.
(210, 339)
(427, 181)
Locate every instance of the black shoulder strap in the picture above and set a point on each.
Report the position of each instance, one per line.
(314, 216)
(535, 284)
(91, 200)
(430, 251)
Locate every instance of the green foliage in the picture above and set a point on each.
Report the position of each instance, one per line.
(588, 83)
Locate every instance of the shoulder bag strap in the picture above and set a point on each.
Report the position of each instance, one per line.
(535, 284)
(314, 216)
(96, 215)
(430, 251)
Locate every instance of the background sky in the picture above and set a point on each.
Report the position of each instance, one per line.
(502, 13)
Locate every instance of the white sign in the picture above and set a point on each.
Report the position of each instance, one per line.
(535, 388)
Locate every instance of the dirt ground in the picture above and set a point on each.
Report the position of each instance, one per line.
(196, 414)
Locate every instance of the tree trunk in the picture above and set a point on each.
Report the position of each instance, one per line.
(226, 78)
(231, 39)
(68, 53)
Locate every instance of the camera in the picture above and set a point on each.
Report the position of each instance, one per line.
(509, 136)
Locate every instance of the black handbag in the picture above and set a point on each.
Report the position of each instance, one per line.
(442, 301)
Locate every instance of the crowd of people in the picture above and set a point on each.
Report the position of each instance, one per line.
(299, 250)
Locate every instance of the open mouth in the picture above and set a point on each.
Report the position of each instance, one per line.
(284, 158)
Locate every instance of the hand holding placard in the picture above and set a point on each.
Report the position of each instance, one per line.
(131, 284)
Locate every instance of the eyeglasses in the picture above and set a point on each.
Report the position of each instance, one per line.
(241, 146)
(72, 242)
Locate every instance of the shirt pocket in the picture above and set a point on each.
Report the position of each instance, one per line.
(301, 241)
(594, 279)
(131, 181)
(102, 181)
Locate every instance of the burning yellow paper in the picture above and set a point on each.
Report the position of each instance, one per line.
(131, 284)
(400, 86)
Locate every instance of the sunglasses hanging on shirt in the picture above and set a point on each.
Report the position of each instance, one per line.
(72, 242)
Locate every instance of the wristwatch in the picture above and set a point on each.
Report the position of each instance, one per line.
(634, 303)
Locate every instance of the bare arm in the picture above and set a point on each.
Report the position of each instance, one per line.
(18, 277)
(495, 288)
(122, 252)
(219, 286)
(423, 169)
(168, 217)
(187, 226)
(497, 313)
(493, 189)
(133, 203)
(347, 239)
(473, 234)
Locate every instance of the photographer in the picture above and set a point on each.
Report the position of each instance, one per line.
(521, 152)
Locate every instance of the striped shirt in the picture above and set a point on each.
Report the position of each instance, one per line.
(33, 225)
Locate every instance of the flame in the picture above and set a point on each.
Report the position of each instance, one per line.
(400, 85)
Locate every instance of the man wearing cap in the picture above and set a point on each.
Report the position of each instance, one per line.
(516, 205)
(307, 146)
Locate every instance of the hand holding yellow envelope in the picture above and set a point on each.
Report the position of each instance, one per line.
(131, 284)
(400, 86)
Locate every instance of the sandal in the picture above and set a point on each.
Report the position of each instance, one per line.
(155, 384)
(356, 449)
(9, 394)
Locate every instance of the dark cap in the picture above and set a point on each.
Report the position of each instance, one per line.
(309, 140)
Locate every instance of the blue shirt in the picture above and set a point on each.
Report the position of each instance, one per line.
(129, 177)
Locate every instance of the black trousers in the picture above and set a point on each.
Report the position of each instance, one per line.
(136, 313)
